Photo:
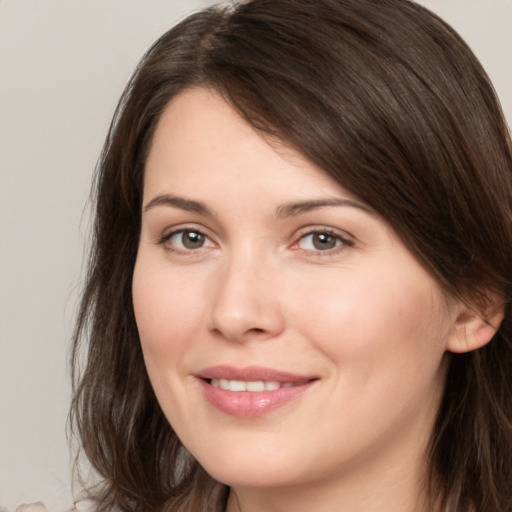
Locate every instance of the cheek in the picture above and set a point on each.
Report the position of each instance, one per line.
(385, 340)
(366, 318)
(167, 310)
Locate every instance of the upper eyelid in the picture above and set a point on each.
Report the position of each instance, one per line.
(171, 230)
(167, 225)
(298, 233)
(167, 234)
(346, 240)
(165, 238)
(344, 235)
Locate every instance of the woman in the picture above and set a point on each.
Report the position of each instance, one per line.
(298, 290)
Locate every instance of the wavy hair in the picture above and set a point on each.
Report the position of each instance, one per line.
(389, 101)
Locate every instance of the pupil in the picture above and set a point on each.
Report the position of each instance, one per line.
(323, 241)
(192, 239)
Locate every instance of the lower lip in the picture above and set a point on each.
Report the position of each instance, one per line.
(250, 404)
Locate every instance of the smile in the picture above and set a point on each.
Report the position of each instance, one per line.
(251, 386)
(251, 391)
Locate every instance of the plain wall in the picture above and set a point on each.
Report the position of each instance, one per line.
(63, 65)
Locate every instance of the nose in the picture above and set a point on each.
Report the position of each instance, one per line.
(245, 303)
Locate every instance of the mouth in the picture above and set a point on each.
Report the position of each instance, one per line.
(251, 391)
(253, 386)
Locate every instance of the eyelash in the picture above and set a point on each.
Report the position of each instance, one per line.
(341, 242)
(165, 240)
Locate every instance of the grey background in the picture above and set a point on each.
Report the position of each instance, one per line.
(63, 64)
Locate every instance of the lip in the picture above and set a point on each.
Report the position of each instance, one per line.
(250, 404)
(251, 373)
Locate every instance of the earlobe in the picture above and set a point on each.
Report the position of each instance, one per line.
(474, 329)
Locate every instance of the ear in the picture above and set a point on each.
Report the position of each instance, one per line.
(473, 328)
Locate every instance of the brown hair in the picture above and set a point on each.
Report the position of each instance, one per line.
(388, 100)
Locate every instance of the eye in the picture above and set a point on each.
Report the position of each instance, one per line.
(322, 241)
(187, 240)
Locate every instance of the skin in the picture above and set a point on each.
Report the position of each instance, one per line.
(359, 313)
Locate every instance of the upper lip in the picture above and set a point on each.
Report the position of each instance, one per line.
(251, 373)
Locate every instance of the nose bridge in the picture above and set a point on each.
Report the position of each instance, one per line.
(245, 301)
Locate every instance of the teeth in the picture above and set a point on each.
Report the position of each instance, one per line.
(271, 386)
(255, 386)
(236, 385)
(242, 385)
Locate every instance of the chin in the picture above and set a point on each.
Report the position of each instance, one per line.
(251, 478)
(242, 471)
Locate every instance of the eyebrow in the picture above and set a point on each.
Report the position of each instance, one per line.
(283, 211)
(301, 207)
(178, 202)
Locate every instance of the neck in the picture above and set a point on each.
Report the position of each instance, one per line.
(395, 481)
(386, 494)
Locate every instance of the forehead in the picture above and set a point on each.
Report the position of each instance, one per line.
(202, 144)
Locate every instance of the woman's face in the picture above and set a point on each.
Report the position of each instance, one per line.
(288, 333)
